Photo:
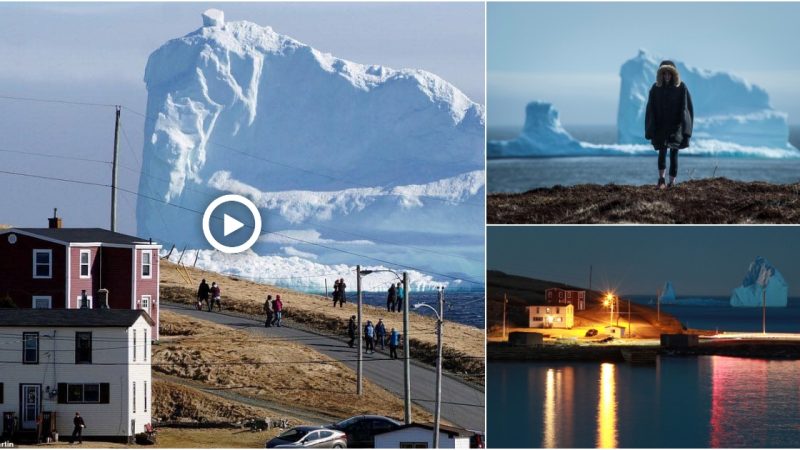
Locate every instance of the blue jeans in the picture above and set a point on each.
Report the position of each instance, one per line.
(277, 320)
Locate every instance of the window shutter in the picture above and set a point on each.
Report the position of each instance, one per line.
(1, 392)
(62, 392)
(104, 392)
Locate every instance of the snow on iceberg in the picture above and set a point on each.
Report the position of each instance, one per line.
(761, 277)
(733, 118)
(369, 150)
(298, 272)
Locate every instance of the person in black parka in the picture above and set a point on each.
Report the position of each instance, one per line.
(669, 119)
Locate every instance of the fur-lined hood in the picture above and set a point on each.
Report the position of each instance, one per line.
(665, 66)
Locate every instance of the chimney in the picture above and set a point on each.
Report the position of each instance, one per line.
(55, 221)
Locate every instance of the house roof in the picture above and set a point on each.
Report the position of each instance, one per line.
(72, 318)
(452, 431)
(71, 235)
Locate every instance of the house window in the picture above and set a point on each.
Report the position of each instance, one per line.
(134, 345)
(147, 264)
(146, 303)
(86, 256)
(538, 319)
(145, 396)
(42, 302)
(133, 399)
(42, 263)
(83, 347)
(413, 445)
(30, 348)
(144, 347)
(83, 393)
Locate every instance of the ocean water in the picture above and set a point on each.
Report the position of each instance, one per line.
(466, 307)
(520, 175)
(692, 402)
(725, 317)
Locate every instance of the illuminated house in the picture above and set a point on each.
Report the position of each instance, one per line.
(566, 297)
(551, 316)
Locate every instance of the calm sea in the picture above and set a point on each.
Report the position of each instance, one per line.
(708, 401)
(520, 175)
(462, 307)
(722, 316)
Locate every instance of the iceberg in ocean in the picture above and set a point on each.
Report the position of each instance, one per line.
(348, 156)
(733, 118)
(667, 293)
(761, 277)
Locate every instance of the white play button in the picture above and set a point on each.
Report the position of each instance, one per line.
(230, 225)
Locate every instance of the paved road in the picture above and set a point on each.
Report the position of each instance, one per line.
(462, 404)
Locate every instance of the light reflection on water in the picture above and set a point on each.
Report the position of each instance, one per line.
(682, 402)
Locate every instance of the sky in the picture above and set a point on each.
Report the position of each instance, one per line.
(96, 52)
(570, 53)
(704, 260)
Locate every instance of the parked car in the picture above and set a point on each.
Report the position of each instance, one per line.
(361, 430)
(591, 333)
(309, 437)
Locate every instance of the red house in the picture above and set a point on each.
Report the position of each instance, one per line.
(565, 297)
(77, 267)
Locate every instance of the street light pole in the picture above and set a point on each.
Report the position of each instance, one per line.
(764, 311)
(438, 415)
(407, 351)
(360, 364)
(505, 302)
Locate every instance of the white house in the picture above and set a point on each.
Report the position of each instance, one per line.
(420, 435)
(547, 316)
(62, 361)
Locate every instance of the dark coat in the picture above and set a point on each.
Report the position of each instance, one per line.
(669, 117)
(351, 328)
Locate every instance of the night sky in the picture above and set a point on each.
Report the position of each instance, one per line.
(706, 260)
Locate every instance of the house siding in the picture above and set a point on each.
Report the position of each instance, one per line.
(117, 276)
(148, 286)
(77, 284)
(110, 364)
(16, 271)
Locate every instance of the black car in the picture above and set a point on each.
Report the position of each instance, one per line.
(591, 333)
(361, 430)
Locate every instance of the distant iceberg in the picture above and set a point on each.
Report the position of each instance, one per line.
(668, 293)
(761, 277)
(733, 118)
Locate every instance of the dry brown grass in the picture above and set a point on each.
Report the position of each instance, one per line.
(464, 345)
(713, 200)
(269, 369)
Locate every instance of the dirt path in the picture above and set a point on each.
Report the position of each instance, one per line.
(707, 201)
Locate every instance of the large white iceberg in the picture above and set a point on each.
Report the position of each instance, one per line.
(322, 145)
(668, 293)
(733, 118)
(761, 277)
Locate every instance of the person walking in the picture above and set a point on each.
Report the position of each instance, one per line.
(79, 425)
(268, 311)
(391, 298)
(394, 341)
(380, 333)
(369, 336)
(215, 293)
(335, 292)
(342, 296)
(202, 294)
(400, 297)
(351, 331)
(668, 119)
(277, 309)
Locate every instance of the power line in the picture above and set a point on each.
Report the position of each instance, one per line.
(49, 100)
(50, 155)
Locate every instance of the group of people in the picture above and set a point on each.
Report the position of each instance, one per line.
(375, 333)
(339, 292)
(273, 310)
(394, 299)
(208, 295)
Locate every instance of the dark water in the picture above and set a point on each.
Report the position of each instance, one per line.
(709, 401)
(462, 307)
(520, 175)
(727, 318)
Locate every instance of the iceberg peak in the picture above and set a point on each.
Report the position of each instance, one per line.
(762, 279)
(213, 18)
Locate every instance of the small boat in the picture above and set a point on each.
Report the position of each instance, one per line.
(639, 356)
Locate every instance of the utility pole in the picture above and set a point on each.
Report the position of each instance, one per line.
(407, 351)
(438, 411)
(764, 310)
(630, 327)
(658, 307)
(505, 302)
(360, 364)
(590, 277)
(114, 175)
